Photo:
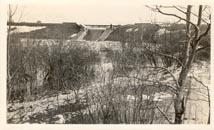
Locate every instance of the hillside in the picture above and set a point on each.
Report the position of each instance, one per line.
(52, 32)
(134, 33)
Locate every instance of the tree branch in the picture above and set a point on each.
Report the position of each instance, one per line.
(174, 15)
(165, 116)
(208, 95)
(169, 56)
(14, 12)
(202, 48)
(205, 33)
(180, 10)
(169, 72)
(196, 79)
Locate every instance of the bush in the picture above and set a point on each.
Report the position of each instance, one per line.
(59, 68)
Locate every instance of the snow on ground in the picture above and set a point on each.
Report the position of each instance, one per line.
(200, 70)
(129, 30)
(197, 110)
(73, 35)
(156, 97)
(162, 31)
(28, 29)
(136, 30)
(95, 28)
(39, 106)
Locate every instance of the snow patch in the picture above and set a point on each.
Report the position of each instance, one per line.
(28, 29)
(60, 120)
(162, 31)
(129, 30)
(73, 35)
(156, 97)
(160, 96)
(136, 30)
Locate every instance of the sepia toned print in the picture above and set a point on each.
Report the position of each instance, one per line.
(152, 68)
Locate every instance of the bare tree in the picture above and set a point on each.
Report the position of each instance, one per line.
(11, 14)
(192, 47)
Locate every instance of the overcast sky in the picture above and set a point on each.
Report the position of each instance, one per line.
(88, 11)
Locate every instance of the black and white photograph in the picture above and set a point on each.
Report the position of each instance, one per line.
(107, 62)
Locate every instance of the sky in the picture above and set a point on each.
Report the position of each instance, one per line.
(93, 14)
(87, 12)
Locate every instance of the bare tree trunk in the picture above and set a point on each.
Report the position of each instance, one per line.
(11, 13)
(191, 48)
(9, 89)
(189, 57)
(179, 101)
